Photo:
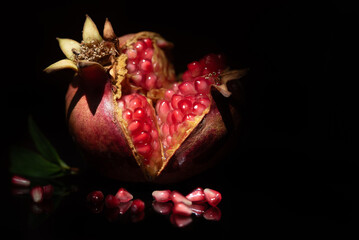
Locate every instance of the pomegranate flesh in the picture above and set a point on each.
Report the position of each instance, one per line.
(129, 114)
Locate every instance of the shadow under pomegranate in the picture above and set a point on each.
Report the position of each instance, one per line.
(130, 115)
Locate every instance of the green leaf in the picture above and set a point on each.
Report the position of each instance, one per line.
(25, 162)
(43, 145)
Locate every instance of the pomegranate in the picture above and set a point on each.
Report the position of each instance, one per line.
(129, 114)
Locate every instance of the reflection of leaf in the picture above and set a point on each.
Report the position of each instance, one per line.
(28, 163)
(44, 147)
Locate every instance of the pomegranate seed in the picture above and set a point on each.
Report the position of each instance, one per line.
(137, 78)
(198, 108)
(211, 62)
(168, 94)
(148, 53)
(177, 116)
(176, 197)
(145, 65)
(144, 149)
(213, 197)
(127, 115)
(142, 137)
(180, 220)
(196, 195)
(148, 42)
(162, 195)
(37, 194)
(132, 66)
(202, 85)
(137, 206)
(123, 195)
(135, 102)
(162, 109)
(187, 88)
(175, 99)
(185, 106)
(135, 126)
(181, 209)
(165, 129)
(138, 113)
(20, 181)
(111, 201)
(131, 53)
(48, 191)
(213, 214)
(163, 208)
(146, 127)
(124, 206)
(195, 68)
(95, 197)
(151, 79)
(203, 99)
(140, 46)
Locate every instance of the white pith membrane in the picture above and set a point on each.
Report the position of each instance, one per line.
(155, 113)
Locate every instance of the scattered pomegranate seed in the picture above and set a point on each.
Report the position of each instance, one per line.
(213, 197)
(162, 195)
(213, 214)
(111, 201)
(181, 209)
(137, 206)
(37, 194)
(123, 195)
(176, 197)
(20, 181)
(95, 197)
(196, 195)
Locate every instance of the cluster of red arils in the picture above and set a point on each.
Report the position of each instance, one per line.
(116, 205)
(198, 202)
(166, 202)
(40, 195)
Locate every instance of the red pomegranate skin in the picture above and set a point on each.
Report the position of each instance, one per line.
(105, 148)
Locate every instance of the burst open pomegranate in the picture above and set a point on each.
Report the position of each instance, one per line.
(131, 116)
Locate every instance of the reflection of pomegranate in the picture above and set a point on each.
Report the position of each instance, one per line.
(130, 116)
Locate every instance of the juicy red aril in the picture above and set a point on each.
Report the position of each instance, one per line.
(187, 88)
(123, 195)
(198, 108)
(195, 68)
(137, 206)
(196, 195)
(181, 209)
(95, 197)
(177, 197)
(202, 85)
(162, 195)
(20, 181)
(37, 194)
(111, 201)
(185, 106)
(213, 197)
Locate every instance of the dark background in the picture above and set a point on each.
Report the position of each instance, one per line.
(293, 164)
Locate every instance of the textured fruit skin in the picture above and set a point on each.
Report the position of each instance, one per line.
(105, 148)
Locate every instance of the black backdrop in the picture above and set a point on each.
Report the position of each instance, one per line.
(293, 157)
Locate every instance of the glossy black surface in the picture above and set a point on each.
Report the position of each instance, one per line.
(290, 167)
